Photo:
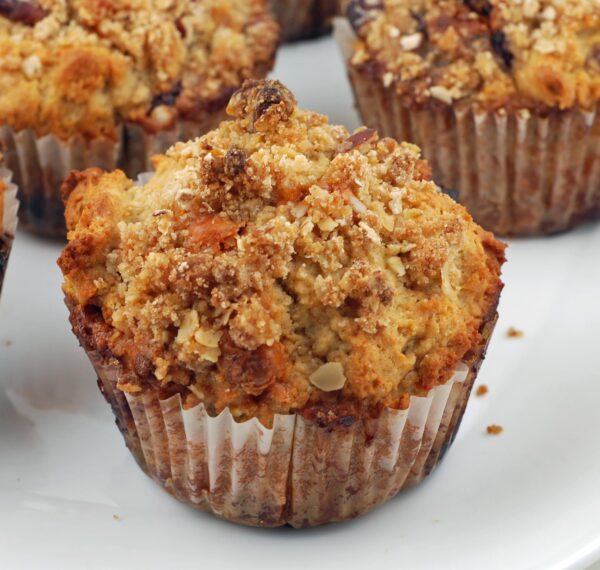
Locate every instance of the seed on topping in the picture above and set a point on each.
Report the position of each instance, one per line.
(22, 12)
(396, 265)
(329, 377)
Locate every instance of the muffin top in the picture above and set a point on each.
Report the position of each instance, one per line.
(279, 264)
(514, 54)
(83, 67)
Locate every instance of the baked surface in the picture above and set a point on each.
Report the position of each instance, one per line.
(279, 264)
(83, 67)
(513, 54)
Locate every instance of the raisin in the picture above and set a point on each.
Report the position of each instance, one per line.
(168, 98)
(234, 162)
(359, 12)
(500, 46)
(22, 12)
(482, 7)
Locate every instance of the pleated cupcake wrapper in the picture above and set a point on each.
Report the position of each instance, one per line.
(517, 173)
(8, 221)
(296, 472)
(301, 19)
(40, 164)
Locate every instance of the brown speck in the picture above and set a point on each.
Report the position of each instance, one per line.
(482, 390)
(514, 333)
(8, 343)
(116, 517)
(495, 429)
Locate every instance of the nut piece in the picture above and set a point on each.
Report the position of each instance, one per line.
(329, 377)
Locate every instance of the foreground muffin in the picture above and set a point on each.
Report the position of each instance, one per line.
(85, 83)
(302, 19)
(8, 217)
(502, 96)
(286, 319)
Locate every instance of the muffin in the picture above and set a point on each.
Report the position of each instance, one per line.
(108, 84)
(302, 19)
(286, 318)
(502, 96)
(8, 218)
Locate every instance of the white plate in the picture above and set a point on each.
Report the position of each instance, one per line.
(72, 497)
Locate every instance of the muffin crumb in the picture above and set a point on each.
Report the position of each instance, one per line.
(514, 333)
(482, 390)
(494, 429)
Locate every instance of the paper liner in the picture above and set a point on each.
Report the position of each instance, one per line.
(296, 472)
(40, 164)
(302, 19)
(516, 172)
(9, 207)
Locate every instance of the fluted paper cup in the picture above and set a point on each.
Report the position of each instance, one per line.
(297, 472)
(518, 173)
(302, 19)
(40, 164)
(9, 207)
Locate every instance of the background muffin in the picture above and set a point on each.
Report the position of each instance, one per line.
(84, 83)
(8, 218)
(302, 19)
(279, 287)
(501, 95)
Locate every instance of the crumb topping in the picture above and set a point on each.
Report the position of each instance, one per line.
(279, 264)
(83, 67)
(521, 54)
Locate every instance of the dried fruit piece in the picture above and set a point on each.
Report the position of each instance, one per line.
(235, 161)
(253, 370)
(329, 377)
(500, 46)
(482, 7)
(22, 12)
(358, 138)
(359, 12)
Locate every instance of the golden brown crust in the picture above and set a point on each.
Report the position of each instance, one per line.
(533, 54)
(275, 245)
(87, 66)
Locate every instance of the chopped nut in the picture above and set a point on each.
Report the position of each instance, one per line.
(207, 338)
(329, 377)
(412, 42)
(442, 94)
(396, 265)
(188, 326)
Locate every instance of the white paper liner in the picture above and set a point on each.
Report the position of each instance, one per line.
(296, 472)
(40, 164)
(516, 173)
(302, 19)
(8, 221)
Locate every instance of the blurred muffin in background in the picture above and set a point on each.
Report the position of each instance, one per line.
(108, 84)
(287, 319)
(8, 217)
(303, 19)
(502, 96)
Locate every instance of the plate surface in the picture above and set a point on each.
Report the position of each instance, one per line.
(72, 497)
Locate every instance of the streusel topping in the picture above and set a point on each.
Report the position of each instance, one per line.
(541, 54)
(279, 264)
(82, 66)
